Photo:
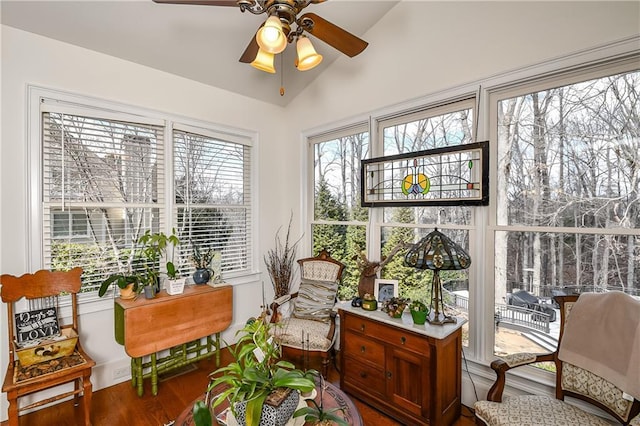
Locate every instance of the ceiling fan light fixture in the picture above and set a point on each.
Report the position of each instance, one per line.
(264, 62)
(271, 37)
(308, 58)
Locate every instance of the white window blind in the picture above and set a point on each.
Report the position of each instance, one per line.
(103, 186)
(212, 188)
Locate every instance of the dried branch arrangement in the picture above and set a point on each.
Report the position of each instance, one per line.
(280, 262)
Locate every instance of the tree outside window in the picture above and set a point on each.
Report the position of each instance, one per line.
(568, 202)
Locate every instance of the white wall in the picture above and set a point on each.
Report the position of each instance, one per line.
(423, 47)
(32, 59)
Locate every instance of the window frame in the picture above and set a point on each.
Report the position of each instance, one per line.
(495, 94)
(74, 103)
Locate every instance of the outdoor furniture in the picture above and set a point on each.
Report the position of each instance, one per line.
(573, 380)
(524, 299)
(42, 290)
(311, 329)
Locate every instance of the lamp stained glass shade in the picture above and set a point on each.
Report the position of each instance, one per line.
(436, 251)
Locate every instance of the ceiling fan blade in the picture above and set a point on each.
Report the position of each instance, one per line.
(232, 3)
(250, 52)
(334, 36)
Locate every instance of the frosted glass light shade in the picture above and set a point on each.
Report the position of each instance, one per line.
(307, 55)
(264, 62)
(270, 37)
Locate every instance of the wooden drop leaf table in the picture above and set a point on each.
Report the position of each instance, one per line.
(176, 323)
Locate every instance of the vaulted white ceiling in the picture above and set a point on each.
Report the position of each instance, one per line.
(201, 43)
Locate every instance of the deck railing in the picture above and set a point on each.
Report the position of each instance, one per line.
(505, 313)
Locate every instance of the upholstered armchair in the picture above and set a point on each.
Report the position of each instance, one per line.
(572, 379)
(310, 330)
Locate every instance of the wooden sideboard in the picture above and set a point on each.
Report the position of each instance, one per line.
(148, 326)
(410, 372)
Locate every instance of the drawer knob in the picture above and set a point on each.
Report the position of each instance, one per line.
(362, 328)
(403, 340)
(363, 349)
(363, 374)
(388, 374)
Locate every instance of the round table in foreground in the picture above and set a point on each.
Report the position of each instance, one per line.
(332, 397)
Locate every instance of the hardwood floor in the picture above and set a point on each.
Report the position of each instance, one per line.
(120, 405)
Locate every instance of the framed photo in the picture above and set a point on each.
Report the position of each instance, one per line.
(385, 289)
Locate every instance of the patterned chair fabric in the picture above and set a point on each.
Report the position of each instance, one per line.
(533, 410)
(315, 300)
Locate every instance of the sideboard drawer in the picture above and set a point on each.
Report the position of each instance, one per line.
(405, 339)
(363, 325)
(364, 348)
(364, 376)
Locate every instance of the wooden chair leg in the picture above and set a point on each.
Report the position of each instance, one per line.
(13, 410)
(76, 395)
(326, 359)
(86, 397)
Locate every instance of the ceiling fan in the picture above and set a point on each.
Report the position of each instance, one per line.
(283, 26)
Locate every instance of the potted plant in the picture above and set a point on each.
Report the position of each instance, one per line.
(155, 245)
(201, 259)
(419, 312)
(128, 283)
(395, 306)
(317, 415)
(256, 377)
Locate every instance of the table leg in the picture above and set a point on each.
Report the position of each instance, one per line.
(154, 375)
(218, 349)
(133, 372)
(138, 368)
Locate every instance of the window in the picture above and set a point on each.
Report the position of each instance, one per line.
(212, 187)
(105, 183)
(344, 227)
(339, 223)
(568, 201)
(437, 127)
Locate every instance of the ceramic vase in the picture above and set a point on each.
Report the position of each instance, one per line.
(201, 275)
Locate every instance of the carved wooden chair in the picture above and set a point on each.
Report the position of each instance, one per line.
(41, 291)
(571, 381)
(310, 330)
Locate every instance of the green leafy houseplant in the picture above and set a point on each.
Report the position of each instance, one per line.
(256, 372)
(149, 249)
(122, 280)
(317, 415)
(155, 245)
(418, 306)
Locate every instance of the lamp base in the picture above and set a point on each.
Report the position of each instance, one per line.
(442, 320)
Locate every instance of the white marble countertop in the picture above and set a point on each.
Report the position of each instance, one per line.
(405, 322)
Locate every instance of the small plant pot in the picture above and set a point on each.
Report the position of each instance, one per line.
(176, 286)
(272, 415)
(419, 317)
(149, 291)
(201, 276)
(127, 292)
